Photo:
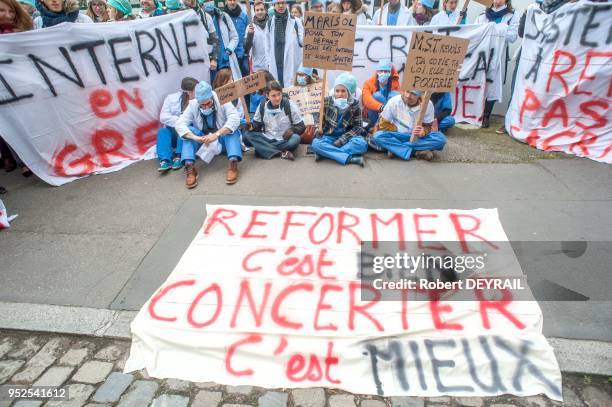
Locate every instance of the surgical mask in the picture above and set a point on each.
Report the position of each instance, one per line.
(341, 103)
(383, 78)
(206, 111)
(301, 80)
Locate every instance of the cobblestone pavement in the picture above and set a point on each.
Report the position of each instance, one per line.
(91, 369)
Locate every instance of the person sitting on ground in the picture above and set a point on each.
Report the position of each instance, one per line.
(260, 95)
(398, 123)
(204, 121)
(150, 8)
(443, 106)
(276, 125)
(304, 77)
(449, 14)
(53, 12)
(342, 138)
(120, 10)
(224, 77)
(379, 88)
(97, 11)
(167, 138)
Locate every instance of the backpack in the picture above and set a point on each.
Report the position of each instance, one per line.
(284, 104)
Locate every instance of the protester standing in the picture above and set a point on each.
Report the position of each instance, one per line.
(97, 11)
(393, 13)
(228, 41)
(30, 7)
(356, 7)
(209, 26)
(241, 21)
(150, 8)
(422, 12)
(255, 39)
(449, 14)
(284, 42)
(53, 12)
(119, 10)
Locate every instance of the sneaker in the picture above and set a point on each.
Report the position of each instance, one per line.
(357, 160)
(317, 157)
(232, 172)
(287, 155)
(177, 163)
(164, 166)
(485, 123)
(191, 181)
(501, 130)
(424, 155)
(309, 150)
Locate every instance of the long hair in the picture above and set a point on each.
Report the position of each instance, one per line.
(224, 76)
(188, 84)
(23, 21)
(90, 13)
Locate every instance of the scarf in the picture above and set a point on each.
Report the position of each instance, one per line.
(6, 28)
(50, 18)
(496, 16)
(421, 18)
(280, 24)
(235, 12)
(261, 23)
(394, 8)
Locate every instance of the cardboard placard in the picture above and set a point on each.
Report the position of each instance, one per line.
(433, 62)
(329, 40)
(307, 98)
(235, 90)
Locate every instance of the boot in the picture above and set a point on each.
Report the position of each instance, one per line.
(191, 181)
(357, 160)
(424, 155)
(487, 113)
(232, 172)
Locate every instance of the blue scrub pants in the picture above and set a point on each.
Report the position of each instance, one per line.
(446, 123)
(324, 147)
(167, 138)
(230, 146)
(379, 96)
(399, 143)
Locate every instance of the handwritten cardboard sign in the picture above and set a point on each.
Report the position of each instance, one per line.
(307, 98)
(329, 40)
(248, 84)
(433, 62)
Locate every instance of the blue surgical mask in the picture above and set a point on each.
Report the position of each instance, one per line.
(383, 78)
(341, 103)
(301, 80)
(206, 112)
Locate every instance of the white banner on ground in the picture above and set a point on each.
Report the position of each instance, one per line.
(271, 296)
(563, 93)
(480, 76)
(77, 99)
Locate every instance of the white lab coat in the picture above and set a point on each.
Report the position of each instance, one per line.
(227, 116)
(293, 49)
(404, 17)
(258, 50)
(445, 19)
(230, 40)
(511, 20)
(171, 109)
(81, 18)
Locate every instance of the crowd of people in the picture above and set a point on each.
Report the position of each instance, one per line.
(376, 115)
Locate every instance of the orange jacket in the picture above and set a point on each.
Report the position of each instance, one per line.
(370, 87)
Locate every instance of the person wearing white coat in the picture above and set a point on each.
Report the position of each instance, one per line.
(449, 14)
(501, 13)
(255, 39)
(284, 57)
(207, 121)
(398, 15)
(228, 41)
(356, 7)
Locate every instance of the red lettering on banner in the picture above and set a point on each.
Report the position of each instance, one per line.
(498, 305)
(321, 305)
(99, 100)
(253, 338)
(59, 159)
(108, 142)
(586, 140)
(557, 110)
(313, 370)
(282, 320)
(465, 102)
(330, 230)
(217, 218)
(398, 219)
(289, 221)
(254, 222)
(304, 266)
(532, 138)
(354, 308)
(436, 310)
(562, 134)
(219, 305)
(462, 232)
(245, 262)
(583, 75)
(125, 97)
(567, 67)
(606, 151)
(146, 136)
(530, 103)
(342, 226)
(160, 294)
(600, 120)
(245, 292)
(419, 232)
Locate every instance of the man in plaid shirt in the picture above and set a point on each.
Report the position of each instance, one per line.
(342, 139)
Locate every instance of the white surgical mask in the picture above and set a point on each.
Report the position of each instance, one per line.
(383, 78)
(341, 103)
(206, 111)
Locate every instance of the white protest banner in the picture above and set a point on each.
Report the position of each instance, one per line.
(563, 92)
(77, 99)
(480, 75)
(272, 297)
(307, 98)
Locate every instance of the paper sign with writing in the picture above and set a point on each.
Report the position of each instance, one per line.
(329, 40)
(274, 297)
(434, 62)
(307, 98)
(248, 84)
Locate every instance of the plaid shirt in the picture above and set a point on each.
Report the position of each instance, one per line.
(351, 120)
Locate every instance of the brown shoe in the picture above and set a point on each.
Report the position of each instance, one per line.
(424, 155)
(191, 181)
(232, 172)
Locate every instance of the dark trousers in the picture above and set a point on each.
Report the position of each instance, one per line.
(269, 148)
